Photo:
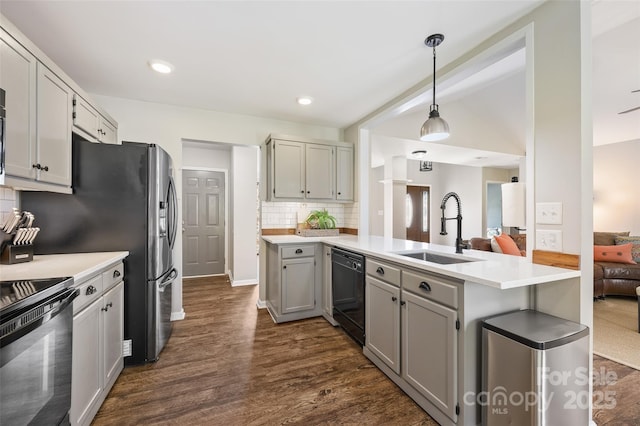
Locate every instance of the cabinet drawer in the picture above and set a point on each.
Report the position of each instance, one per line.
(432, 287)
(113, 275)
(89, 291)
(383, 271)
(298, 251)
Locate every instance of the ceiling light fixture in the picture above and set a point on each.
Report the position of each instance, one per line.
(162, 67)
(435, 128)
(419, 154)
(304, 100)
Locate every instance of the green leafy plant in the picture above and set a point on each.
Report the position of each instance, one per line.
(321, 219)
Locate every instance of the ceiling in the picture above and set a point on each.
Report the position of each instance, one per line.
(256, 57)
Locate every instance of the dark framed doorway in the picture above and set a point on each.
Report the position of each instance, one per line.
(418, 213)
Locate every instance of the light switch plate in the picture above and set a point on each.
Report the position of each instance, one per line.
(548, 240)
(549, 213)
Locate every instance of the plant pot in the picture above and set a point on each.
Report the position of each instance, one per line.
(309, 232)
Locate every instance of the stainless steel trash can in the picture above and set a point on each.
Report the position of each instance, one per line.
(535, 370)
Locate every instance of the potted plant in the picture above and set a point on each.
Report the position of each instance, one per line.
(320, 219)
(320, 223)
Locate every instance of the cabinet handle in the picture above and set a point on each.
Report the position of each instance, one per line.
(302, 192)
(116, 274)
(308, 192)
(90, 290)
(45, 168)
(339, 193)
(284, 267)
(298, 251)
(380, 270)
(110, 305)
(36, 166)
(425, 286)
(402, 303)
(393, 298)
(105, 309)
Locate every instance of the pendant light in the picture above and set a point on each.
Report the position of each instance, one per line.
(435, 128)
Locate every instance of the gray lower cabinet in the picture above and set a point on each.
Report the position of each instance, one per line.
(411, 333)
(298, 284)
(98, 331)
(430, 351)
(294, 281)
(382, 321)
(327, 293)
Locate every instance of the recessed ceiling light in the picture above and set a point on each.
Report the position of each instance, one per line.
(162, 67)
(305, 100)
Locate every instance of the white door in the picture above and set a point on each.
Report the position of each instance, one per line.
(203, 223)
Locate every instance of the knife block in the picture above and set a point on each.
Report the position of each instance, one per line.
(16, 254)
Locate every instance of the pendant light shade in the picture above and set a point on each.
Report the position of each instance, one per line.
(435, 128)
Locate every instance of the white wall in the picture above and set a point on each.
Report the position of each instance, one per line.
(245, 212)
(168, 125)
(466, 181)
(616, 191)
(206, 155)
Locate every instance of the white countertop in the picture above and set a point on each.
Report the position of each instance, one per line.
(492, 269)
(76, 265)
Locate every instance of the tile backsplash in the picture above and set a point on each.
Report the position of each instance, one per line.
(8, 200)
(285, 215)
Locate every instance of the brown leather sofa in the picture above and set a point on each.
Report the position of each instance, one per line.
(613, 279)
(484, 244)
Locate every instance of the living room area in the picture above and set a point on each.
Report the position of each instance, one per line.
(616, 219)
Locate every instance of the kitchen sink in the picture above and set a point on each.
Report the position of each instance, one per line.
(429, 256)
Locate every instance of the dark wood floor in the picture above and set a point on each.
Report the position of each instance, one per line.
(227, 363)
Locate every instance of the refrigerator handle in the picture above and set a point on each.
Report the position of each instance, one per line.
(169, 277)
(173, 202)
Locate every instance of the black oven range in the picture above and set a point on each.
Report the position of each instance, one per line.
(36, 325)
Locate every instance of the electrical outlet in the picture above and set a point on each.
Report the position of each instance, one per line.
(549, 213)
(549, 240)
(126, 347)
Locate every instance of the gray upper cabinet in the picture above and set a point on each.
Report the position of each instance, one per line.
(344, 173)
(88, 122)
(40, 116)
(288, 169)
(319, 171)
(18, 72)
(308, 169)
(53, 129)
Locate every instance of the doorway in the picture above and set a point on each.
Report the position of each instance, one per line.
(494, 209)
(418, 213)
(203, 229)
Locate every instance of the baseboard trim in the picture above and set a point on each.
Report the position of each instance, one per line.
(261, 304)
(178, 316)
(238, 283)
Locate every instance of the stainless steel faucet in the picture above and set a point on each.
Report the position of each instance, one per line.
(458, 218)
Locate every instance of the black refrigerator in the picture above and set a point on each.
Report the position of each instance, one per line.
(123, 198)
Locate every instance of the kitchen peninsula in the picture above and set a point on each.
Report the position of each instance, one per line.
(422, 317)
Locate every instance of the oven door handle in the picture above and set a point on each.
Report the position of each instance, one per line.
(38, 315)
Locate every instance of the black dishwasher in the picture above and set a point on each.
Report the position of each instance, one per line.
(347, 286)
